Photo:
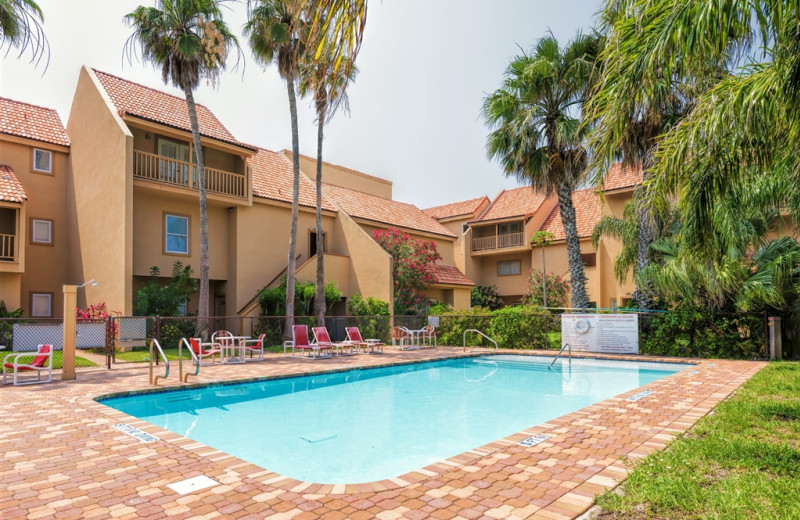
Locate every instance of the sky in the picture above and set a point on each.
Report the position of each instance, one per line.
(425, 67)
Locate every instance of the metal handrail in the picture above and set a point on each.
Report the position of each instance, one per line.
(566, 346)
(479, 332)
(195, 359)
(154, 380)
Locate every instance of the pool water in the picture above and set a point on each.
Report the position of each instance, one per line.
(372, 424)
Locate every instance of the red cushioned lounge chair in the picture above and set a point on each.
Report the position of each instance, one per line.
(204, 350)
(370, 345)
(300, 342)
(42, 362)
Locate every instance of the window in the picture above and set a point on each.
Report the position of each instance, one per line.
(176, 236)
(507, 229)
(509, 268)
(41, 231)
(589, 259)
(42, 305)
(182, 309)
(42, 161)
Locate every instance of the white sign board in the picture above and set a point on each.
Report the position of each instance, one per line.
(608, 333)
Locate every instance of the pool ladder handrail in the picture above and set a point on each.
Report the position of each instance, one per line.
(151, 358)
(185, 377)
(479, 332)
(566, 346)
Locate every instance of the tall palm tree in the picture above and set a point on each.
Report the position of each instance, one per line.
(329, 90)
(274, 31)
(189, 40)
(536, 133)
(20, 27)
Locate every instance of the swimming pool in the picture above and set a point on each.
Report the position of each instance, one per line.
(372, 424)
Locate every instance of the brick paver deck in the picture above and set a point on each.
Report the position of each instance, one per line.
(62, 459)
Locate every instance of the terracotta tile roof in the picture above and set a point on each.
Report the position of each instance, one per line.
(377, 209)
(133, 99)
(11, 189)
(273, 179)
(450, 275)
(519, 202)
(619, 177)
(588, 211)
(457, 209)
(31, 122)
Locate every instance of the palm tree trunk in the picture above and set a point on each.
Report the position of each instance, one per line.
(576, 274)
(203, 306)
(292, 261)
(319, 298)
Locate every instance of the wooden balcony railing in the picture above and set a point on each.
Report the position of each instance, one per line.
(179, 173)
(498, 241)
(8, 248)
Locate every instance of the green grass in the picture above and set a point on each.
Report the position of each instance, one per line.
(741, 462)
(141, 355)
(58, 360)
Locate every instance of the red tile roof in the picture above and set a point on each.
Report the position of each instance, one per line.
(273, 179)
(383, 211)
(11, 189)
(457, 209)
(519, 202)
(133, 99)
(588, 211)
(450, 275)
(31, 122)
(619, 177)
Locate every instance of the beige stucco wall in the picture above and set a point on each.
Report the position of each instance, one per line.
(609, 247)
(10, 290)
(44, 266)
(511, 287)
(345, 177)
(100, 179)
(557, 262)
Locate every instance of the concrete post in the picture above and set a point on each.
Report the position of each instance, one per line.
(68, 344)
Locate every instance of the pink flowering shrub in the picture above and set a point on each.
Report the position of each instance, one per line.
(557, 290)
(413, 267)
(92, 312)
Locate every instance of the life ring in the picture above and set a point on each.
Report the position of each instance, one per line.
(581, 326)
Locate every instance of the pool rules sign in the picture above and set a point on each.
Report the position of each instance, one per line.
(609, 333)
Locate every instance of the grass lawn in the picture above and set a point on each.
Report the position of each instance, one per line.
(740, 462)
(141, 355)
(57, 360)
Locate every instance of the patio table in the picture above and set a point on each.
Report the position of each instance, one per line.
(233, 351)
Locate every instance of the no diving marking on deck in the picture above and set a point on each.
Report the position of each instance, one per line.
(640, 395)
(533, 441)
(136, 433)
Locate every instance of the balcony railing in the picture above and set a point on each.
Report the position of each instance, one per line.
(7, 248)
(179, 173)
(498, 241)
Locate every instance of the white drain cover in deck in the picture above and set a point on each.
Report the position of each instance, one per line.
(192, 484)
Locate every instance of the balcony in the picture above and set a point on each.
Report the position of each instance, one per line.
(8, 250)
(501, 241)
(183, 174)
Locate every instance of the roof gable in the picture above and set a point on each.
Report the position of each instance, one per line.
(32, 122)
(519, 202)
(466, 208)
(390, 212)
(619, 176)
(588, 212)
(450, 275)
(133, 99)
(273, 178)
(11, 189)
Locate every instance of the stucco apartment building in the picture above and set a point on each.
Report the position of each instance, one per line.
(121, 197)
(495, 242)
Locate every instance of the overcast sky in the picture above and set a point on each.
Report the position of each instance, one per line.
(425, 67)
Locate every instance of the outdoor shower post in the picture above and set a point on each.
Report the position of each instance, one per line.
(68, 344)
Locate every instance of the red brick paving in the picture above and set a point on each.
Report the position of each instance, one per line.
(62, 459)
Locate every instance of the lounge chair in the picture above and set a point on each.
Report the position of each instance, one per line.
(255, 346)
(42, 362)
(322, 337)
(402, 338)
(204, 350)
(428, 335)
(300, 342)
(369, 345)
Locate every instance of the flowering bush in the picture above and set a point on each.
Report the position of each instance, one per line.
(557, 290)
(92, 312)
(413, 267)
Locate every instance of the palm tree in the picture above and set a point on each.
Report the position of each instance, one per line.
(20, 27)
(536, 136)
(189, 40)
(329, 90)
(273, 30)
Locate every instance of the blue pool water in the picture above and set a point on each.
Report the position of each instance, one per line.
(372, 424)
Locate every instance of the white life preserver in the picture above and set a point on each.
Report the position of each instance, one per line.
(581, 326)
